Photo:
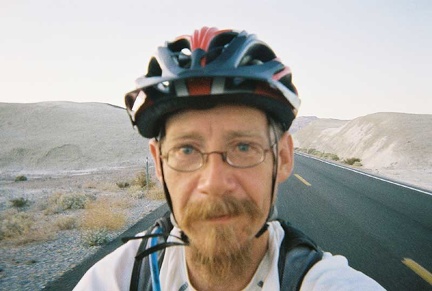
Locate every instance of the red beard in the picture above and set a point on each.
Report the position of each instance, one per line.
(221, 248)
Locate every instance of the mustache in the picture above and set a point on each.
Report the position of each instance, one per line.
(221, 206)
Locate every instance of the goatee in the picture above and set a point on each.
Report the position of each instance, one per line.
(221, 250)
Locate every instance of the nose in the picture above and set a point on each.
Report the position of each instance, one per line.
(216, 176)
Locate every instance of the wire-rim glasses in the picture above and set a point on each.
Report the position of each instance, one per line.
(187, 158)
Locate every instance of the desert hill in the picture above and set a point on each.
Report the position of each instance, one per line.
(300, 122)
(55, 137)
(62, 137)
(394, 144)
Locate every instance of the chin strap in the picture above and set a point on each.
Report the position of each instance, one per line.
(166, 192)
(159, 238)
(273, 211)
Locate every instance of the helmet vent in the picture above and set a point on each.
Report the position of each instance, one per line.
(218, 44)
(256, 55)
(223, 39)
(154, 68)
(181, 52)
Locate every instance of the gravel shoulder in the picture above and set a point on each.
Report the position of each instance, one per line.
(31, 266)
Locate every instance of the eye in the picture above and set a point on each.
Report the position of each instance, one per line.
(183, 152)
(243, 147)
(186, 150)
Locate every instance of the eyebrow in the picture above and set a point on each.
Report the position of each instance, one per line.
(244, 133)
(230, 135)
(192, 135)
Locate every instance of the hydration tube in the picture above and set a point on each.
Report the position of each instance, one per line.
(154, 266)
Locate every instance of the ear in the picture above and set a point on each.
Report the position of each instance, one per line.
(286, 157)
(154, 150)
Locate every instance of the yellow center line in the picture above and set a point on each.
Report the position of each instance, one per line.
(419, 270)
(302, 179)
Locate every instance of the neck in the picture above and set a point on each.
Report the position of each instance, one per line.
(234, 274)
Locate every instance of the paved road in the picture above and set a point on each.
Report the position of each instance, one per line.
(375, 224)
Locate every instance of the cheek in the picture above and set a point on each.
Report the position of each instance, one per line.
(180, 187)
(257, 186)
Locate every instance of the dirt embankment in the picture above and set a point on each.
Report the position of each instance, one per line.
(397, 145)
(57, 137)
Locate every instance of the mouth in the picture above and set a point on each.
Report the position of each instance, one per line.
(220, 218)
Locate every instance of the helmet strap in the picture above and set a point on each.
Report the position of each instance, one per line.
(165, 187)
(273, 186)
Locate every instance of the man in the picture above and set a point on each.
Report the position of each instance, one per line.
(217, 106)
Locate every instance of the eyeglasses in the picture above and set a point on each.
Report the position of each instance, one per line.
(187, 158)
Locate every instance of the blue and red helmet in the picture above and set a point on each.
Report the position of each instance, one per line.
(208, 68)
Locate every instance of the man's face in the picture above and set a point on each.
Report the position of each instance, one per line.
(218, 201)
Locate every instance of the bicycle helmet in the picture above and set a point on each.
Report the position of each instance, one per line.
(210, 67)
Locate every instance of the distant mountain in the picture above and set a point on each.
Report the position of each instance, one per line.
(65, 136)
(301, 122)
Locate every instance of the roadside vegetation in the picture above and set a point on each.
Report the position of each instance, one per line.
(330, 156)
(19, 202)
(97, 211)
(20, 178)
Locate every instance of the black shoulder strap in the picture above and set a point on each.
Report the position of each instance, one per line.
(298, 253)
(140, 280)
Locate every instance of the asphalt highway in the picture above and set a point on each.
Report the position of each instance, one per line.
(384, 229)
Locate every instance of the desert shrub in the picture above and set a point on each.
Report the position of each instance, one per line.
(73, 201)
(122, 202)
(156, 194)
(14, 225)
(331, 156)
(141, 180)
(19, 202)
(137, 192)
(89, 185)
(60, 202)
(357, 164)
(315, 152)
(123, 185)
(66, 222)
(310, 151)
(95, 237)
(351, 161)
(20, 178)
(101, 215)
(20, 228)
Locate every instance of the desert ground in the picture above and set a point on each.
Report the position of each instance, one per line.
(54, 232)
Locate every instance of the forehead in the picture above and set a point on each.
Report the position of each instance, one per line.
(227, 119)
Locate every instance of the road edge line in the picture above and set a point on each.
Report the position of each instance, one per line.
(366, 174)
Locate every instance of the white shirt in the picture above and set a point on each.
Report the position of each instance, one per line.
(331, 273)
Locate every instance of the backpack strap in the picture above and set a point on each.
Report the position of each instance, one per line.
(140, 279)
(297, 254)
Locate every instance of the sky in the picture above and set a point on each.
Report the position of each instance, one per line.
(348, 58)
